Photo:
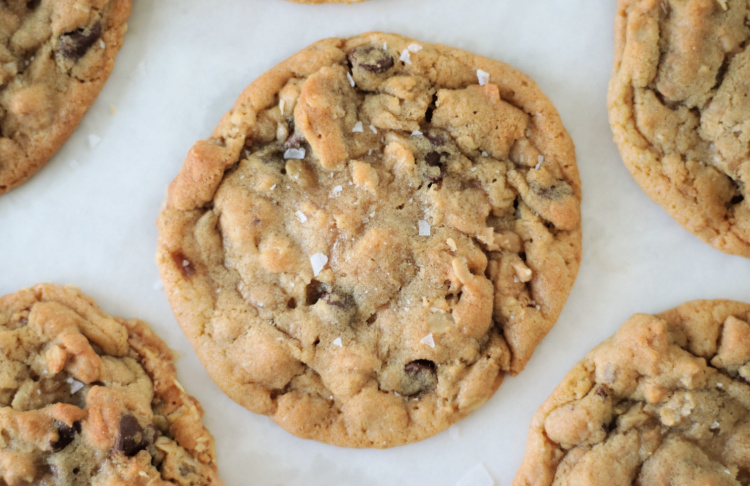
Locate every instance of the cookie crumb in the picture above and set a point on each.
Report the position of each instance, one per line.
(428, 340)
(318, 261)
(483, 77)
(424, 228)
(293, 153)
(358, 127)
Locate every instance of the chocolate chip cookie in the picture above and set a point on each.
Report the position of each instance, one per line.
(665, 400)
(376, 232)
(55, 56)
(87, 398)
(679, 106)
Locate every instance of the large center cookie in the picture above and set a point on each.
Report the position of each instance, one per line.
(91, 399)
(377, 231)
(664, 401)
(55, 56)
(679, 106)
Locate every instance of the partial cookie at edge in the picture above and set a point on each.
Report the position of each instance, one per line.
(87, 398)
(54, 60)
(679, 107)
(664, 400)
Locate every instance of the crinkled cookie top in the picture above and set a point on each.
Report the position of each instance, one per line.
(665, 400)
(377, 231)
(91, 399)
(55, 56)
(679, 103)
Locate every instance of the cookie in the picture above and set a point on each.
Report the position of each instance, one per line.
(679, 106)
(665, 400)
(376, 232)
(55, 56)
(87, 398)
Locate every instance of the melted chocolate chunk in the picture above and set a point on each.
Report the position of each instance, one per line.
(65, 435)
(186, 267)
(131, 438)
(554, 192)
(336, 299)
(74, 45)
(419, 377)
(370, 58)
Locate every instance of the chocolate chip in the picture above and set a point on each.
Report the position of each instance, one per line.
(433, 159)
(74, 45)
(131, 438)
(435, 139)
(183, 264)
(336, 299)
(553, 192)
(601, 392)
(419, 377)
(370, 58)
(65, 435)
(737, 199)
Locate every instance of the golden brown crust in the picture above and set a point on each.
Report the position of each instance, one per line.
(87, 398)
(240, 224)
(678, 106)
(664, 400)
(53, 66)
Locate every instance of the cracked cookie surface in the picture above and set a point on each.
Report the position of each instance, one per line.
(665, 400)
(679, 106)
(91, 399)
(376, 232)
(55, 56)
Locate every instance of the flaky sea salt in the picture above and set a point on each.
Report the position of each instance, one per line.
(428, 340)
(336, 190)
(373, 129)
(485, 154)
(714, 425)
(424, 227)
(358, 127)
(483, 77)
(539, 161)
(350, 78)
(414, 47)
(405, 57)
(337, 342)
(476, 476)
(416, 133)
(301, 216)
(94, 140)
(294, 153)
(318, 261)
(75, 385)
(273, 187)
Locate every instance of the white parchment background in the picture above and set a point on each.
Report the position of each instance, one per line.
(88, 217)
